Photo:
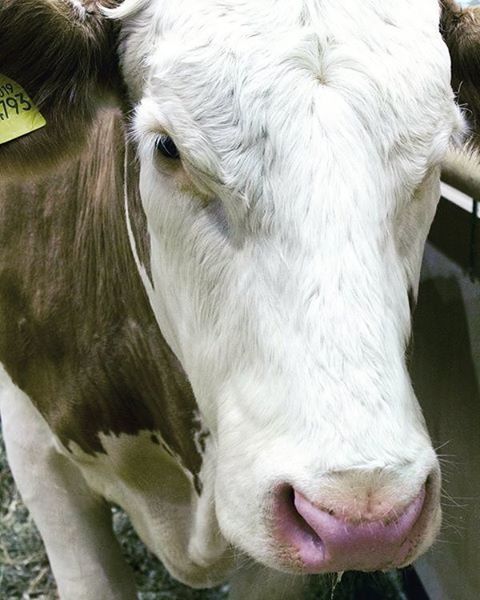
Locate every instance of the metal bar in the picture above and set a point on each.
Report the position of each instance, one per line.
(473, 241)
(462, 171)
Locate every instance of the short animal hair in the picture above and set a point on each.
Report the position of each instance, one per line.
(63, 53)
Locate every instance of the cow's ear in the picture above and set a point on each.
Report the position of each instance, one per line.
(461, 31)
(63, 54)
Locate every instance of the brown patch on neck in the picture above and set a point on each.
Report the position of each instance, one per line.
(77, 332)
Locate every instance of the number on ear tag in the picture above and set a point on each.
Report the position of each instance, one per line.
(18, 114)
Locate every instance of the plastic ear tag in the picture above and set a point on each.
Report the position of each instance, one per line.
(18, 114)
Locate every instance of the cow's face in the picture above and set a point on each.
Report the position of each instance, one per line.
(286, 238)
(286, 241)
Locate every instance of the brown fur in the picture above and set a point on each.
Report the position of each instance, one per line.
(461, 32)
(77, 333)
(67, 64)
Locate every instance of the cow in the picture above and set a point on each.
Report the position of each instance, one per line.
(209, 258)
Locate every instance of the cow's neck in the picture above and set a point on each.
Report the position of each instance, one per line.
(79, 336)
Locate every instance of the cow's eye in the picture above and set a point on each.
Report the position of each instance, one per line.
(166, 146)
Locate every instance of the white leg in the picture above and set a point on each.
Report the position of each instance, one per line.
(75, 524)
(255, 582)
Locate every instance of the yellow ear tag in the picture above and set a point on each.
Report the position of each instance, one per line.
(18, 114)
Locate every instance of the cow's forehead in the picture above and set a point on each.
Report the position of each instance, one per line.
(250, 18)
(226, 73)
(382, 26)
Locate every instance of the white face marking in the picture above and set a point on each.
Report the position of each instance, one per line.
(286, 240)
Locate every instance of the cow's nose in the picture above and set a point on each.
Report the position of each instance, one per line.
(319, 541)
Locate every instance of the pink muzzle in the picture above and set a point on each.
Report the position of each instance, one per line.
(318, 541)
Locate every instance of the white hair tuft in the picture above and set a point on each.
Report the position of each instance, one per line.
(126, 9)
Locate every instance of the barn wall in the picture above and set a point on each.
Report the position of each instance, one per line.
(446, 371)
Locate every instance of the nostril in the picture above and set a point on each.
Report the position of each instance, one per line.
(290, 525)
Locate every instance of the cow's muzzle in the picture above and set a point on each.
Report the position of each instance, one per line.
(314, 539)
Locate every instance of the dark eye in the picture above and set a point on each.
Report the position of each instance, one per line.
(166, 146)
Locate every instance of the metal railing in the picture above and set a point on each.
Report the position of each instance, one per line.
(462, 171)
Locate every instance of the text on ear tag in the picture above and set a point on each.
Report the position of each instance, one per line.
(18, 114)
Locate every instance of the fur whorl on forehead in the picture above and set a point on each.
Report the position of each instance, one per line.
(63, 52)
(461, 31)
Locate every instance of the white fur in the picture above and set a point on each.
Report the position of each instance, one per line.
(285, 242)
(80, 7)
(283, 247)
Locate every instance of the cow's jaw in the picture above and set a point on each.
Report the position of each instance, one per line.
(284, 247)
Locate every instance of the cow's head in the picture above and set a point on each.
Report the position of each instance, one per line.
(289, 171)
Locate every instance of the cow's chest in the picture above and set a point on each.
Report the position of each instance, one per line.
(141, 474)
